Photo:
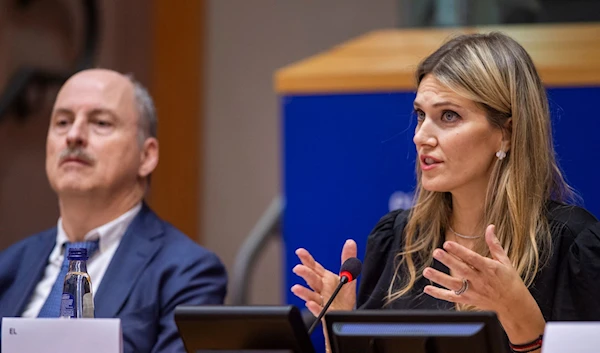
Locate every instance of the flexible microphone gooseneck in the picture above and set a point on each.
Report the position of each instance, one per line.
(348, 272)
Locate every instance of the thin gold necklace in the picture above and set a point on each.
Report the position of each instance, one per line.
(464, 236)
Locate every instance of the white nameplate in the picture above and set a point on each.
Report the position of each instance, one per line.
(24, 335)
(564, 337)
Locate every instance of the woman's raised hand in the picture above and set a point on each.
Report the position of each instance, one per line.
(322, 282)
(488, 284)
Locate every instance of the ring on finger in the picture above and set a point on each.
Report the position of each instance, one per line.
(322, 302)
(464, 288)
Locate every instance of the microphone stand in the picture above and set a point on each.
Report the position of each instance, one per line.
(343, 281)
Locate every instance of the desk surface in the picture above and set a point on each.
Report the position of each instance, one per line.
(385, 60)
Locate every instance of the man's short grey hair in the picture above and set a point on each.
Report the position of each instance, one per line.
(148, 120)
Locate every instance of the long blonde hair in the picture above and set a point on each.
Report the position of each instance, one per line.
(495, 72)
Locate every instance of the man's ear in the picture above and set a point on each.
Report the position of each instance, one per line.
(149, 157)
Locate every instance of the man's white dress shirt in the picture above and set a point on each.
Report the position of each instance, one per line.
(109, 236)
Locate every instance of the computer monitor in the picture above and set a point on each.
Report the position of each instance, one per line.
(242, 328)
(387, 331)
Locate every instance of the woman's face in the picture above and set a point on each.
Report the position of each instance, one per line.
(456, 144)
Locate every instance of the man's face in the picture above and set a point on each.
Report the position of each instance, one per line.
(92, 143)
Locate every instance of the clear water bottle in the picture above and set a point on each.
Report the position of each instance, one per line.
(77, 300)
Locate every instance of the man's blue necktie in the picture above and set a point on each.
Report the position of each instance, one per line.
(51, 307)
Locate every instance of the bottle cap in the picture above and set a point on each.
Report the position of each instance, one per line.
(78, 254)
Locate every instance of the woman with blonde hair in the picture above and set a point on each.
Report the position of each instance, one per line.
(491, 228)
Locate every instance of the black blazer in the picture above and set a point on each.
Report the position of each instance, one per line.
(566, 288)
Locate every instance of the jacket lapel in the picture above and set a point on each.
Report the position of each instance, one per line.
(40, 249)
(138, 246)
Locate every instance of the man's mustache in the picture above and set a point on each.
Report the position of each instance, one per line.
(76, 153)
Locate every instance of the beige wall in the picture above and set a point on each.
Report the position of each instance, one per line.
(248, 41)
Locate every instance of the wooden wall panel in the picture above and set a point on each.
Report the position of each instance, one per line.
(177, 89)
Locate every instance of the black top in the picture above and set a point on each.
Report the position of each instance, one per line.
(566, 288)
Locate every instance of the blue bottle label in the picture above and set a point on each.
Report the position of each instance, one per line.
(67, 308)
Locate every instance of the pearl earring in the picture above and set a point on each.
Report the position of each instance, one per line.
(501, 154)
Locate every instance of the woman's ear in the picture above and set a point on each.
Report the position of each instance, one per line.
(506, 135)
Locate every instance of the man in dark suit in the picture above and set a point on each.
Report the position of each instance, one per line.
(101, 149)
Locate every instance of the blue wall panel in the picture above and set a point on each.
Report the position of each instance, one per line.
(576, 129)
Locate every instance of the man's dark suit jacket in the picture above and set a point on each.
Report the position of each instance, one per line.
(155, 268)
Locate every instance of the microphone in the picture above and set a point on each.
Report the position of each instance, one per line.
(348, 272)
